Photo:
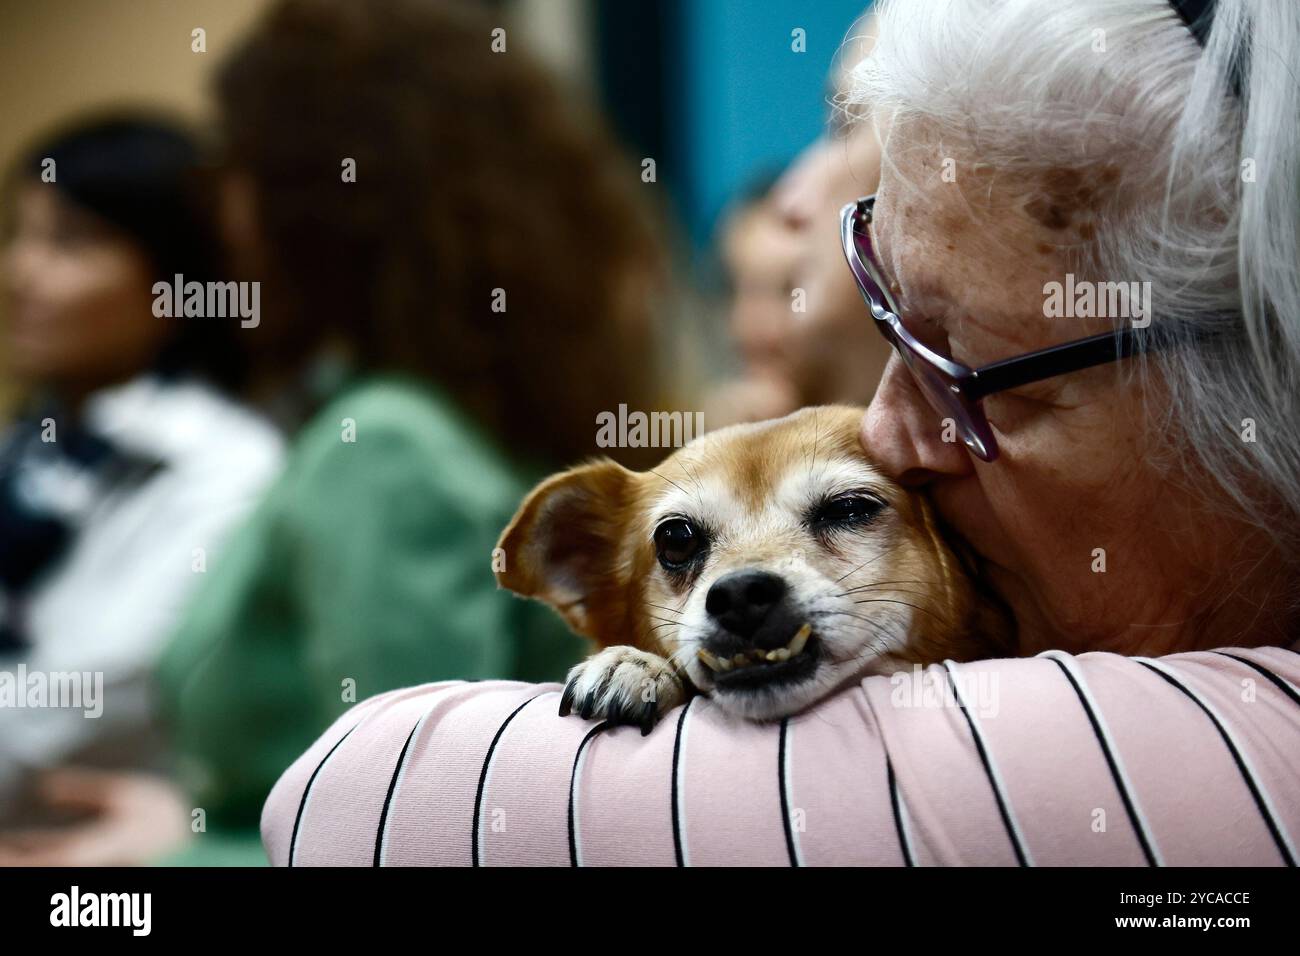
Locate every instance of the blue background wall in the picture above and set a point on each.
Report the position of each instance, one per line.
(713, 91)
(746, 101)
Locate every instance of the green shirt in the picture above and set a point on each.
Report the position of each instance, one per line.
(368, 567)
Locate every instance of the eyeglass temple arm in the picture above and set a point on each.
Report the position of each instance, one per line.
(1057, 360)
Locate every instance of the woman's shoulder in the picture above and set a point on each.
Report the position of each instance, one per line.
(188, 425)
(383, 430)
(1096, 759)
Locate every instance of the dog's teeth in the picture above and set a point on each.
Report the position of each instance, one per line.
(711, 662)
(724, 664)
(740, 660)
(800, 639)
(780, 654)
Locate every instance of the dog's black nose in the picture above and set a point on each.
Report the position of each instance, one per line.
(740, 601)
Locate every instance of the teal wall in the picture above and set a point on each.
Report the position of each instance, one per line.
(744, 100)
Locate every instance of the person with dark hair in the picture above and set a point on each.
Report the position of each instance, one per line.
(131, 460)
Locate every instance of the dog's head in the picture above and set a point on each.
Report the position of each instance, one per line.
(772, 562)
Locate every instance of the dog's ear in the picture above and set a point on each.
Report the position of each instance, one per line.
(564, 547)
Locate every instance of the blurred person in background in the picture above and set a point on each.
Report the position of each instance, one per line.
(759, 255)
(796, 316)
(131, 461)
(439, 330)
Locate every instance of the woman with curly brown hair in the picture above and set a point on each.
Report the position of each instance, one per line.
(442, 210)
(456, 280)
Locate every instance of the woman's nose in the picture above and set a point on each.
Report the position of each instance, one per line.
(796, 196)
(906, 436)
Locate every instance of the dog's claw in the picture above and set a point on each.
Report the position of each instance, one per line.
(612, 685)
(649, 717)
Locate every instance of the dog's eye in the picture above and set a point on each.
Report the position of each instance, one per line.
(847, 509)
(677, 542)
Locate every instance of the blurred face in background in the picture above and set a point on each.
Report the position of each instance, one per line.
(761, 256)
(833, 354)
(78, 297)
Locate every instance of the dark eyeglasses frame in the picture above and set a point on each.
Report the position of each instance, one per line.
(957, 389)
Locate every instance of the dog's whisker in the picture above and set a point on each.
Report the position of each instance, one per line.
(877, 584)
(669, 480)
(890, 590)
(831, 587)
(924, 610)
(682, 656)
(695, 480)
(870, 560)
(662, 607)
(857, 617)
(873, 651)
(683, 652)
(812, 458)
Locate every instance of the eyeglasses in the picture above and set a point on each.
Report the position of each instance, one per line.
(954, 390)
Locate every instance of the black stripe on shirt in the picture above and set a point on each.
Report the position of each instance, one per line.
(1269, 822)
(392, 787)
(482, 779)
(781, 783)
(894, 803)
(1129, 807)
(677, 810)
(988, 772)
(1277, 681)
(302, 804)
(573, 784)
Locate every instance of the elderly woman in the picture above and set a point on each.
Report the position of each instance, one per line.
(1125, 465)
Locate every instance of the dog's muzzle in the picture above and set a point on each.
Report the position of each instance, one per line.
(760, 635)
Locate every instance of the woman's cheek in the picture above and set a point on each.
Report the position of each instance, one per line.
(1011, 414)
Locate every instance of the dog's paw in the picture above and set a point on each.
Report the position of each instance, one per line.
(624, 686)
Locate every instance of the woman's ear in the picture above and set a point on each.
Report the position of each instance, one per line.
(564, 546)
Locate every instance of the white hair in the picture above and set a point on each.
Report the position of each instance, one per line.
(1205, 201)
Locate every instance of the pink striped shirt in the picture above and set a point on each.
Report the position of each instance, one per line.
(1054, 760)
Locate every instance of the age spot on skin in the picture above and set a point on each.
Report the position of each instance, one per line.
(1050, 214)
(1065, 193)
(953, 224)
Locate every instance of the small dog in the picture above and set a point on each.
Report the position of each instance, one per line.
(766, 565)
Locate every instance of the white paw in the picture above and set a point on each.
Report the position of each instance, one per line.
(624, 686)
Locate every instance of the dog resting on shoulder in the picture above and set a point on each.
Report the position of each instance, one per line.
(765, 565)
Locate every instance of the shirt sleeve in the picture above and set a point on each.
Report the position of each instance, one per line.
(1054, 760)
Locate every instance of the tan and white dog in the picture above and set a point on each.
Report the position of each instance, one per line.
(766, 565)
